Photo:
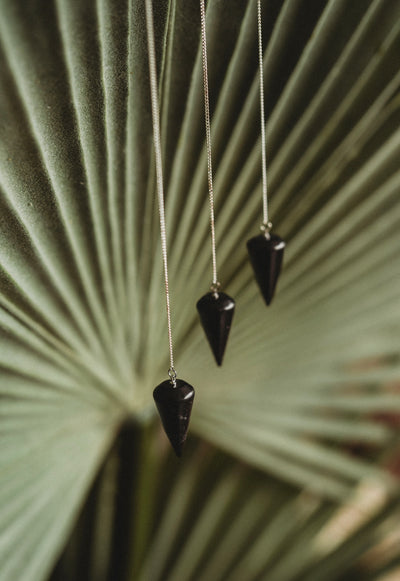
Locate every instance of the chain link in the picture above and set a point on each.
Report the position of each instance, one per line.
(208, 142)
(262, 115)
(159, 173)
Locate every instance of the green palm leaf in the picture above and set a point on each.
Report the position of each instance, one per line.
(298, 430)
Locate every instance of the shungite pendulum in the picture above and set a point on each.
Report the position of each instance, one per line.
(216, 311)
(173, 397)
(266, 256)
(174, 403)
(266, 249)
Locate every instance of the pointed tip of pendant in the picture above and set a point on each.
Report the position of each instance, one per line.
(216, 312)
(174, 404)
(266, 256)
(219, 355)
(178, 450)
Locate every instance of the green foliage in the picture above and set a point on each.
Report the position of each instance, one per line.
(291, 470)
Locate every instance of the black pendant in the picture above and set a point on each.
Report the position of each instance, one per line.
(174, 405)
(216, 313)
(266, 255)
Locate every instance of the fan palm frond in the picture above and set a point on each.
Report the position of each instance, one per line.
(301, 420)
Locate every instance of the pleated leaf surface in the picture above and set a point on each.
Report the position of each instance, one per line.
(302, 418)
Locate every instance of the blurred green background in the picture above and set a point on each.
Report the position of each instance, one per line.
(290, 471)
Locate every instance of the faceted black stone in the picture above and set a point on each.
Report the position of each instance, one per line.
(266, 255)
(174, 405)
(216, 312)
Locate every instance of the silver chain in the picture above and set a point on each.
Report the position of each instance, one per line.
(266, 224)
(159, 173)
(215, 284)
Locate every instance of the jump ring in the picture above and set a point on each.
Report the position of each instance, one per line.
(172, 375)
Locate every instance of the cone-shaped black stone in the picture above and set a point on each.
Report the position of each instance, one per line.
(174, 405)
(216, 313)
(266, 255)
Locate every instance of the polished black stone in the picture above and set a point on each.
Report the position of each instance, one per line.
(174, 405)
(216, 312)
(266, 255)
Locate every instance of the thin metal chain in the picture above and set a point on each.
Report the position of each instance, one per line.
(266, 224)
(159, 173)
(215, 284)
